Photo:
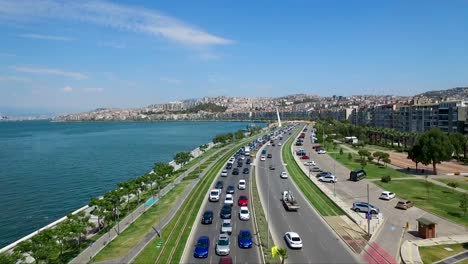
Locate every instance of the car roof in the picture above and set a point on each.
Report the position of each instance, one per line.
(226, 221)
(244, 231)
(228, 195)
(203, 238)
(386, 192)
(241, 181)
(244, 208)
(293, 234)
(243, 196)
(214, 190)
(223, 236)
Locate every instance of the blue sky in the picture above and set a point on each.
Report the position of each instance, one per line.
(79, 55)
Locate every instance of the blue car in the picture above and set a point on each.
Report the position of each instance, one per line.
(245, 239)
(202, 247)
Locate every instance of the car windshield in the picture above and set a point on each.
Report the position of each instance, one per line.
(244, 212)
(226, 224)
(214, 193)
(245, 235)
(223, 242)
(202, 244)
(207, 214)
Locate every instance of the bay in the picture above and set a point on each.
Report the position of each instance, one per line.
(49, 169)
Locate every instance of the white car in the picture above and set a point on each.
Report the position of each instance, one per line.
(279, 143)
(244, 213)
(241, 185)
(229, 199)
(242, 157)
(310, 163)
(284, 175)
(328, 178)
(226, 227)
(262, 158)
(214, 195)
(386, 195)
(322, 151)
(293, 239)
(222, 246)
(224, 173)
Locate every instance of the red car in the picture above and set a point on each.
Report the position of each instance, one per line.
(243, 200)
(305, 157)
(316, 147)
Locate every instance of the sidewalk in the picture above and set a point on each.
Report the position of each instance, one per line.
(410, 248)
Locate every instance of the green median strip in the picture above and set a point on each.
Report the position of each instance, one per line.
(317, 198)
(436, 253)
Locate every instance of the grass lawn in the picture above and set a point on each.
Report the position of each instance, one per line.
(462, 183)
(317, 198)
(442, 201)
(136, 231)
(436, 253)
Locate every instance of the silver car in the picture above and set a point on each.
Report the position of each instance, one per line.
(226, 226)
(223, 245)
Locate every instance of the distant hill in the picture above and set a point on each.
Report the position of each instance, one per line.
(458, 93)
(207, 107)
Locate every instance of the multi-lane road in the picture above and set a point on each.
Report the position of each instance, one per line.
(320, 243)
(238, 255)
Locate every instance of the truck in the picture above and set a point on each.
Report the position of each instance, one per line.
(289, 202)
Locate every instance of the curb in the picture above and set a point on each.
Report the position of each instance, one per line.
(255, 216)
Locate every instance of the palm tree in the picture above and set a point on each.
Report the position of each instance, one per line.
(99, 210)
(283, 254)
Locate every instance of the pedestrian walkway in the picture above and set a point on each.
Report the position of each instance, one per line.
(410, 248)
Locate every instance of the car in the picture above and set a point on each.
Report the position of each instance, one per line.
(207, 217)
(226, 226)
(230, 189)
(219, 185)
(241, 185)
(248, 161)
(323, 174)
(214, 195)
(317, 147)
(315, 169)
(284, 175)
(223, 245)
(244, 213)
(235, 171)
(246, 171)
(272, 144)
(386, 195)
(243, 200)
(228, 166)
(242, 157)
(309, 163)
(269, 156)
(225, 260)
(328, 178)
(229, 199)
(202, 247)
(279, 143)
(226, 212)
(305, 157)
(244, 238)
(365, 207)
(405, 204)
(272, 167)
(264, 152)
(293, 240)
(224, 173)
(239, 164)
(322, 151)
(262, 158)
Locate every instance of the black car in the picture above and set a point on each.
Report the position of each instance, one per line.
(246, 171)
(228, 166)
(235, 171)
(230, 189)
(269, 155)
(207, 218)
(272, 167)
(239, 164)
(226, 212)
(248, 161)
(219, 185)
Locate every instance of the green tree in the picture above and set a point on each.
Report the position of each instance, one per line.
(386, 161)
(162, 169)
(363, 163)
(453, 184)
(464, 203)
(9, 258)
(429, 186)
(414, 154)
(350, 156)
(99, 210)
(182, 158)
(203, 147)
(363, 153)
(282, 254)
(370, 158)
(42, 247)
(435, 148)
(341, 151)
(458, 142)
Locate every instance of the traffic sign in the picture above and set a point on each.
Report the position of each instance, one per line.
(368, 216)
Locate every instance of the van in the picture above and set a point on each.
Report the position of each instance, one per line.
(357, 175)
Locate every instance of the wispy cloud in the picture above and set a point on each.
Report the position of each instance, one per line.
(4, 78)
(93, 90)
(5, 54)
(67, 89)
(170, 80)
(113, 15)
(48, 71)
(45, 37)
(112, 44)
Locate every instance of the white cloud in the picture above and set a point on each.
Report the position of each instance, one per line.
(67, 89)
(93, 90)
(113, 15)
(112, 44)
(4, 78)
(48, 71)
(170, 80)
(45, 37)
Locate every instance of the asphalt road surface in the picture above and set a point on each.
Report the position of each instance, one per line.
(238, 255)
(320, 242)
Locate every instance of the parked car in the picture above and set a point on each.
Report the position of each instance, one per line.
(244, 239)
(262, 158)
(223, 245)
(246, 171)
(315, 169)
(214, 195)
(226, 226)
(405, 204)
(202, 247)
(228, 166)
(241, 185)
(243, 200)
(293, 240)
(365, 207)
(207, 217)
(244, 213)
(235, 171)
(226, 212)
(230, 189)
(229, 199)
(310, 163)
(305, 157)
(284, 175)
(386, 195)
(321, 151)
(224, 173)
(328, 178)
(357, 175)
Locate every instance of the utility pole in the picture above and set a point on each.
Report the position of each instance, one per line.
(368, 211)
(268, 211)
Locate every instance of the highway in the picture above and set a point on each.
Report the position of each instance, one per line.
(320, 242)
(238, 255)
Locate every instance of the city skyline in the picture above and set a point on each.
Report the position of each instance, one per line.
(69, 57)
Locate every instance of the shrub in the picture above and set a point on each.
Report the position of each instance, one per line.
(341, 151)
(386, 178)
(453, 184)
(350, 156)
(457, 173)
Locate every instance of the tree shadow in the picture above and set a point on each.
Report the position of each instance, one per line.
(454, 214)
